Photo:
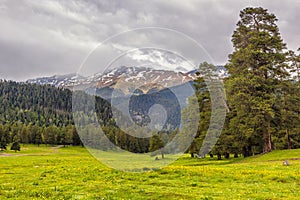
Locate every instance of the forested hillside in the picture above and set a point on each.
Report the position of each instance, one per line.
(31, 113)
(42, 114)
(40, 105)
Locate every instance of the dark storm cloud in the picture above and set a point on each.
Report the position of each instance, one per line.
(53, 37)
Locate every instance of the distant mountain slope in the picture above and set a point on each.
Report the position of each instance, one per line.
(137, 89)
(121, 78)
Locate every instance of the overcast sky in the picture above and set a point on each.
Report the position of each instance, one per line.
(42, 38)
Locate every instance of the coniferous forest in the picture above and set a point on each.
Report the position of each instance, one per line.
(262, 90)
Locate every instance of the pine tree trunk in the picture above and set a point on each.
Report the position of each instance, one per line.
(247, 151)
(226, 155)
(162, 154)
(268, 145)
(288, 138)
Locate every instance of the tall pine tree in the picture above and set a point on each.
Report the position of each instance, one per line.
(256, 67)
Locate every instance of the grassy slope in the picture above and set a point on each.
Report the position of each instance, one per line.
(72, 173)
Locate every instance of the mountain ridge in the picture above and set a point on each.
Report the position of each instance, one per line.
(125, 77)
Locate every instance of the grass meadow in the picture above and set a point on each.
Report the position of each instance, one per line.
(72, 173)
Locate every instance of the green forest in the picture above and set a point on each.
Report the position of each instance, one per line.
(262, 97)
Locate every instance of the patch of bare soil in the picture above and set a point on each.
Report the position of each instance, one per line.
(12, 155)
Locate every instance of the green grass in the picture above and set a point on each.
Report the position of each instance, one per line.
(72, 173)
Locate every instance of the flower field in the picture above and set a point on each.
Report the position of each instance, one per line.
(72, 173)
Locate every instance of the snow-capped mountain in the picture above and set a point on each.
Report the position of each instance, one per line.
(58, 80)
(220, 71)
(142, 77)
(123, 78)
(135, 90)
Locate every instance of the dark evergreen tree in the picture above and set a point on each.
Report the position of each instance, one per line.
(156, 143)
(256, 67)
(15, 146)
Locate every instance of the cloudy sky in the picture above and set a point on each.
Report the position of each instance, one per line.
(42, 38)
